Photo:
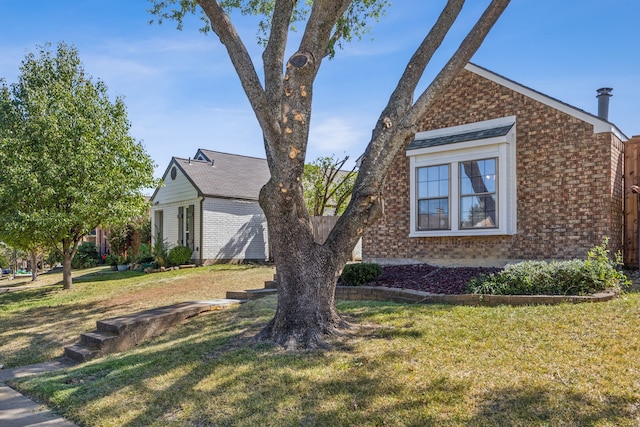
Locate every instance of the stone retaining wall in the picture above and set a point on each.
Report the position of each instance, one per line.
(378, 293)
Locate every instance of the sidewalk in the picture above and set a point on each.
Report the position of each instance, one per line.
(17, 410)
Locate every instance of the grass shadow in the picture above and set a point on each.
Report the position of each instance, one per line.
(535, 406)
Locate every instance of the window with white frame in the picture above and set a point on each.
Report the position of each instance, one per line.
(463, 180)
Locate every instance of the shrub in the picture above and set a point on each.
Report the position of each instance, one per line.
(577, 277)
(86, 256)
(111, 259)
(160, 251)
(179, 255)
(144, 255)
(358, 274)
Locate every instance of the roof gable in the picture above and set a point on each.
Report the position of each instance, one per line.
(223, 175)
(599, 125)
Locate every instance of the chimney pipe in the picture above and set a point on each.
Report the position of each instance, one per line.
(603, 102)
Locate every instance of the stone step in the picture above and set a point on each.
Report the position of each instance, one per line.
(251, 294)
(104, 341)
(271, 284)
(161, 317)
(124, 332)
(81, 353)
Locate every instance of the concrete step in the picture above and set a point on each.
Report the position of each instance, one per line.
(81, 353)
(124, 332)
(271, 284)
(251, 294)
(161, 317)
(104, 341)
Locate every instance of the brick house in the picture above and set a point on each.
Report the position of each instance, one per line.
(499, 173)
(210, 204)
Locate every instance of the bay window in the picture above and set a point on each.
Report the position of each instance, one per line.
(463, 180)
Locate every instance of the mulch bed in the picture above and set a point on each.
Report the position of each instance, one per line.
(428, 278)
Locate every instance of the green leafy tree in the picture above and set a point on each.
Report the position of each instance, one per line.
(67, 162)
(327, 188)
(282, 102)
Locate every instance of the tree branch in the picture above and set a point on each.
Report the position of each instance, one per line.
(402, 97)
(458, 61)
(273, 55)
(222, 26)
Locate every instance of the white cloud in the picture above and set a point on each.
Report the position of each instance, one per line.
(338, 135)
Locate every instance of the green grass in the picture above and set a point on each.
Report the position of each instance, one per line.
(37, 322)
(403, 365)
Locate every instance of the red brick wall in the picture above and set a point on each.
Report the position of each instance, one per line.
(569, 185)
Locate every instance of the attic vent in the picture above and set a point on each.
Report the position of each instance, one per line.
(212, 161)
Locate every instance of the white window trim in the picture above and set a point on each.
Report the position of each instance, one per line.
(503, 148)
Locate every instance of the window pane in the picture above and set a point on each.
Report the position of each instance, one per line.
(433, 188)
(422, 190)
(478, 176)
(478, 211)
(478, 194)
(422, 174)
(433, 214)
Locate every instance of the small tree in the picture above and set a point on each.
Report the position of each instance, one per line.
(67, 162)
(327, 188)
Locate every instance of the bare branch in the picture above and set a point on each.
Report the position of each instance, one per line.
(402, 97)
(273, 56)
(323, 18)
(458, 61)
(222, 26)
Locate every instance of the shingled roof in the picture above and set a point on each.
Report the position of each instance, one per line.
(460, 137)
(224, 175)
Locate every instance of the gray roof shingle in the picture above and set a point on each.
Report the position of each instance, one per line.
(460, 137)
(231, 176)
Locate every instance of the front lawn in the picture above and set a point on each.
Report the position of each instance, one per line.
(405, 365)
(36, 323)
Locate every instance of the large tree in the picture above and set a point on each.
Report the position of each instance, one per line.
(282, 101)
(67, 162)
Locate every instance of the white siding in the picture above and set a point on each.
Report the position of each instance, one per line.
(234, 230)
(170, 229)
(175, 190)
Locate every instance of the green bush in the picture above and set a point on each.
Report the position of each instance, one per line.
(111, 259)
(358, 274)
(179, 255)
(577, 277)
(160, 251)
(144, 255)
(86, 256)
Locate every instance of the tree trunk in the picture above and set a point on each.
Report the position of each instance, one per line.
(307, 275)
(67, 281)
(34, 266)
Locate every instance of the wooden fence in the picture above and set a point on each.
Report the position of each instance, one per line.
(322, 226)
(631, 203)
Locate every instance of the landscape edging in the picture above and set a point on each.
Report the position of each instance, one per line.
(380, 293)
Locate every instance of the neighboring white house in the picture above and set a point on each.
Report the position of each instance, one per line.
(210, 204)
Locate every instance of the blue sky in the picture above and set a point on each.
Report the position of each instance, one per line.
(182, 92)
